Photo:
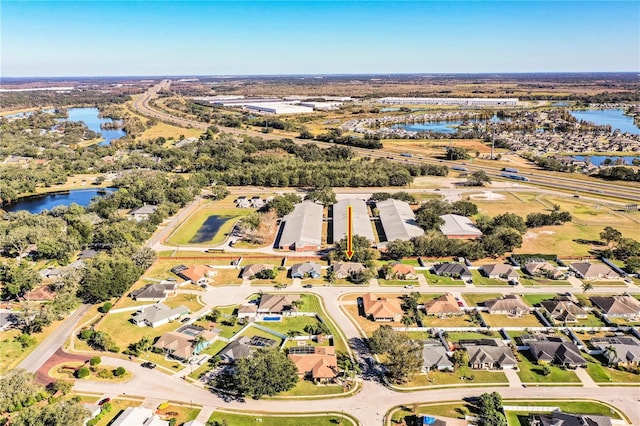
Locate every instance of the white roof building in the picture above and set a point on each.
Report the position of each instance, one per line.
(361, 223)
(138, 416)
(449, 101)
(302, 228)
(278, 108)
(398, 220)
(456, 226)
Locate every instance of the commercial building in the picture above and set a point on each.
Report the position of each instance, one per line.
(398, 220)
(302, 228)
(459, 227)
(450, 101)
(361, 223)
(277, 108)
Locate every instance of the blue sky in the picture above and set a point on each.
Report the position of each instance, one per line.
(93, 38)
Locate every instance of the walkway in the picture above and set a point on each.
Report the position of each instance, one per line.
(585, 378)
(512, 376)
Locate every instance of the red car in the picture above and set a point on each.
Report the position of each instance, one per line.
(104, 401)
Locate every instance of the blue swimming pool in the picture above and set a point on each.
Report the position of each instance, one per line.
(271, 319)
(428, 420)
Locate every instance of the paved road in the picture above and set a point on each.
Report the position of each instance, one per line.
(53, 342)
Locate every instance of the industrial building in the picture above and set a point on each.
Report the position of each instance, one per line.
(450, 101)
(277, 108)
(398, 220)
(459, 227)
(360, 219)
(302, 228)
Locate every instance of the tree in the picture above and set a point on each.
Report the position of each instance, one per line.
(609, 235)
(360, 247)
(478, 178)
(283, 204)
(18, 279)
(108, 276)
(265, 372)
(460, 358)
(633, 265)
(382, 339)
(455, 153)
(509, 220)
(214, 315)
(586, 286)
(611, 354)
(120, 371)
(64, 413)
(324, 196)
(427, 219)
(17, 389)
(144, 258)
(250, 222)
(405, 358)
(96, 360)
(82, 373)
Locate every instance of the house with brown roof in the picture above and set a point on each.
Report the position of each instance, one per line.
(250, 271)
(625, 306)
(500, 271)
(544, 269)
(197, 274)
(400, 271)
(154, 292)
(443, 306)
(382, 308)
(248, 311)
(510, 304)
(563, 309)
(346, 269)
(280, 304)
(183, 346)
(319, 365)
(489, 354)
(593, 271)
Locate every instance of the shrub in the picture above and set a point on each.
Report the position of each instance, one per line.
(82, 373)
(105, 374)
(95, 361)
(119, 371)
(26, 340)
(114, 349)
(106, 307)
(85, 334)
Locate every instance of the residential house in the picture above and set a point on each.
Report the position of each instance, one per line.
(279, 304)
(142, 213)
(250, 271)
(346, 269)
(563, 309)
(500, 271)
(50, 272)
(316, 362)
(511, 304)
(7, 320)
(459, 227)
(138, 416)
(558, 418)
(154, 292)
(593, 271)
(196, 274)
(87, 254)
(490, 354)
(93, 409)
(382, 308)
(434, 357)
(256, 202)
(543, 268)
(454, 270)
(158, 314)
(626, 306)
(306, 269)
(248, 311)
(557, 351)
(244, 347)
(443, 306)
(399, 271)
(183, 346)
(242, 202)
(619, 351)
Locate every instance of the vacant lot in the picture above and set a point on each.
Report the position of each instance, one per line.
(187, 230)
(463, 376)
(532, 373)
(497, 320)
(279, 420)
(474, 299)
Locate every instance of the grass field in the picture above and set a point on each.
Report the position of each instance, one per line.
(576, 407)
(12, 352)
(496, 320)
(532, 373)
(469, 335)
(453, 321)
(182, 414)
(481, 280)
(312, 304)
(474, 299)
(436, 280)
(291, 324)
(463, 376)
(602, 374)
(123, 332)
(308, 388)
(184, 234)
(234, 419)
(535, 299)
(117, 407)
(408, 414)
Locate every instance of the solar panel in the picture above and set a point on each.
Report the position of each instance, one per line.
(262, 341)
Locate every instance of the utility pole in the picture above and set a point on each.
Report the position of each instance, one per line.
(493, 140)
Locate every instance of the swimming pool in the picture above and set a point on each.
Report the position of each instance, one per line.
(271, 318)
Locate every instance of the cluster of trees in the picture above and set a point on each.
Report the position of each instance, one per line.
(98, 340)
(489, 407)
(20, 394)
(457, 153)
(336, 136)
(404, 355)
(619, 173)
(428, 215)
(621, 248)
(264, 372)
(556, 217)
(401, 195)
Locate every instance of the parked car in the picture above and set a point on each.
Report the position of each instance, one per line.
(186, 319)
(104, 401)
(149, 365)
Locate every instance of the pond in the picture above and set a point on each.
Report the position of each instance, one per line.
(90, 117)
(613, 117)
(598, 160)
(432, 126)
(37, 203)
(209, 229)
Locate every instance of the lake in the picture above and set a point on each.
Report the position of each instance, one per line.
(597, 160)
(613, 117)
(432, 126)
(209, 229)
(37, 203)
(90, 117)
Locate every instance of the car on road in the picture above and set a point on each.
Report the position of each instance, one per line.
(410, 287)
(307, 286)
(149, 365)
(186, 319)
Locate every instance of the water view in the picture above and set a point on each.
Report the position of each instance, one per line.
(433, 126)
(613, 117)
(90, 117)
(598, 160)
(38, 203)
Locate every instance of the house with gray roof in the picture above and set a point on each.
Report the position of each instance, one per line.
(593, 271)
(302, 228)
(626, 306)
(564, 310)
(157, 315)
(459, 227)
(489, 354)
(142, 213)
(543, 268)
(557, 351)
(618, 350)
(398, 220)
(453, 270)
(558, 418)
(434, 357)
(306, 269)
(344, 270)
(243, 347)
(277, 303)
(50, 272)
(360, 220)
(154, 292)
(511, 304)
(500, 271)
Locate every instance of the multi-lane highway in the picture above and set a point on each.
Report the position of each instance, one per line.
(540, 178)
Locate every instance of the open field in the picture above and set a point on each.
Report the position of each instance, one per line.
(308, 388)
(474, 299)
(311, 419)
(453, 321)
(291, 324)
(184, 234)
(496, 320)
(123, 332)
(463, 376)
(12, 352)
(602, 374)
(182, 414)
(573, 406)
(436, 280)
(161, 129)
(532, 373)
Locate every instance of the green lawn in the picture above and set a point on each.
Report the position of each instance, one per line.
(234, 419)
(454, 410)
(573, 406)
(400, 283)
(496, 320)
(463, 376)
(474, 299)
(182, 414)
(254, 331)
(311, 303)
(479, 279)
(188, 229)
(123, 332)
(538, 282)
(535, 299)
(436, 280)
(308, 388)
(469, 335)
(291, 324)
(452, 321)
(532, 373)
(117, 407)
(602, 374)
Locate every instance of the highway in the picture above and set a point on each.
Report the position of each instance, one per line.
(540, 178)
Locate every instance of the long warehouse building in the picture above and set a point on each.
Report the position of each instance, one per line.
(450, 101)
(302, 228)
(398, 220)
(360, 219)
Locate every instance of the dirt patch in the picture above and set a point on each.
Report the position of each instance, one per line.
(488, 196)
(59, 357)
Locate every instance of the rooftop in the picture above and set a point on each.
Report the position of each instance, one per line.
(398, 220)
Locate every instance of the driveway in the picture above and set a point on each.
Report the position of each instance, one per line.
(512, 376)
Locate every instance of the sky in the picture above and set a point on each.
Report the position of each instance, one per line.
(94, 38)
